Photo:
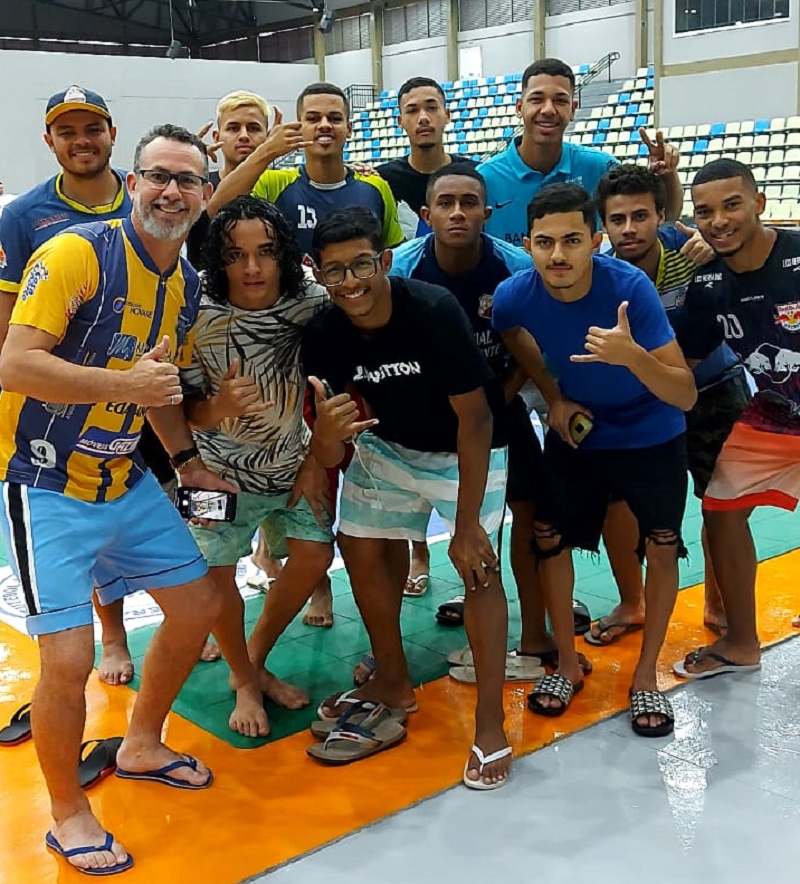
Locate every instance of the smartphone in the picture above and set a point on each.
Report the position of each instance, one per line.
(329, 394)
(198, 503)
(580, 425)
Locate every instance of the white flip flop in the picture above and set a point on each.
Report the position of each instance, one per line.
(478, 785)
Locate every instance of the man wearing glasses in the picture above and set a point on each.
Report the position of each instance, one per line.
(431, 441)
(104, 309)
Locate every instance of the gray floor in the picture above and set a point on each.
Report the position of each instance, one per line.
(719, 801)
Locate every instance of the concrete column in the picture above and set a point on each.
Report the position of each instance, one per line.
(640, 34)
(376, 41)
(539, 29)
(452, 40)
(319, 52)
(658, 59)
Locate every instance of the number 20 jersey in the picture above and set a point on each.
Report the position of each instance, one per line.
(96, 290)
(757, 313)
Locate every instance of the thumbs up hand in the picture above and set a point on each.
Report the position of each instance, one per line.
(152, 381)
(695, 249)
(614, 346)
(238, 396)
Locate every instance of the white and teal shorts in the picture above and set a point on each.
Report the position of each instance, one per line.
(389, 490)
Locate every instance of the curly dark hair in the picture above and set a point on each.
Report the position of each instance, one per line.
(287, 250)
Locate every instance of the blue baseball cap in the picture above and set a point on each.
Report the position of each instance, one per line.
(75, 98)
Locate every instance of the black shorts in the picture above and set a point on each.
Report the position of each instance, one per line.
(579, 483)
(524, 454)
(710, 422)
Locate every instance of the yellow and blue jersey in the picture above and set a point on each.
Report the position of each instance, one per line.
(38, 215)
(304, 202)
(97, 291)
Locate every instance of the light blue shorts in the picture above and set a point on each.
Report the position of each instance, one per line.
(60, 547)
(389, 490)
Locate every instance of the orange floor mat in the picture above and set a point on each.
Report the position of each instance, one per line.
(273, 804)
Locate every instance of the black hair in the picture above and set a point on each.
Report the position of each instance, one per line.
(630, 179)
(558, 199)
(417, 83)
(322, 89)
(355, 222)
(287, 249)
(171, 133)
(719, 170)
(454, 168)
(550, 67)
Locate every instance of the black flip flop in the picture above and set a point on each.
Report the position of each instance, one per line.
(581, 617)
(99, 762)
(18, 729)
(451, 613)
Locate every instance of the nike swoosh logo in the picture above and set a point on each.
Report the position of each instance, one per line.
(503, 205)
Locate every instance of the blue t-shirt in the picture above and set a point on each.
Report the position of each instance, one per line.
(473, 290)
(626, 413)
(38, 215)
(511, 184)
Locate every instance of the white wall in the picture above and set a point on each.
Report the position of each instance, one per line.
(140, 92)
(726, 96)
(347, 68)
(415, 58)
(583, 37)
(727, 42)
(507, 49)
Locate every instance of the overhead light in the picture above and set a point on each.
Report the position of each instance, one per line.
(325, 23)
(174, 49)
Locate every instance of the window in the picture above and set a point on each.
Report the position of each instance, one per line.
(701, 15)
(474, 14)
(415, 22)
(295, 44)
(348, 34)
(560, 7)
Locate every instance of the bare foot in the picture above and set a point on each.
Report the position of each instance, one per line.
(489, 740)
(419, 570)
(248, 717)
(210, 653)
(620, 621)
(281, 692)
(796, 621)
(743, 655)
(115, 666)
(84, 830)
(153, 757)
(320, 607)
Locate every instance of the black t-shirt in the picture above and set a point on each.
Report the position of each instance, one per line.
(407, 370)
(197, 235)
(409, 186)
(757, 313)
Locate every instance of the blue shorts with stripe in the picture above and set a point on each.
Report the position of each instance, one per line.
(60, 547)
(389, 490)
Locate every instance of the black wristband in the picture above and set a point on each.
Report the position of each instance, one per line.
(183, 457)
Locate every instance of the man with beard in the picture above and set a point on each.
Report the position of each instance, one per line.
(81, 136)
(104, 310)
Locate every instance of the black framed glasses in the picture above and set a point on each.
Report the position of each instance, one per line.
(186, 181)
(364, 267)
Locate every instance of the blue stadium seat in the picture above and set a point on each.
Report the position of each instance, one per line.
(635, 136)
(492, 89)
(624, 97)
(459, 125)
(599, 138)
(650, 83)
(463, 148)
(508, 131)
(761, 126)
(604, 124)
(583, 69)
(376, 154)
(483, 112)
(384, 94)
(516, 78)
(641, 120)
(700, 146)
(462, 103)
(366, 134)
(376, 142)
(631, 110)
(643, 151)
(717, 129)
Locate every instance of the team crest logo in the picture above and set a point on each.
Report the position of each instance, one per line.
(485, 306)
(37, 274)
(788, 316)
(3, 259)
(74, 93)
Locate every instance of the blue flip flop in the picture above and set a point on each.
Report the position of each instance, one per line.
(52, 843)
(162, 774)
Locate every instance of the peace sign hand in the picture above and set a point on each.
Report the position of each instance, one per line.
(614, 346)
(664, 158)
